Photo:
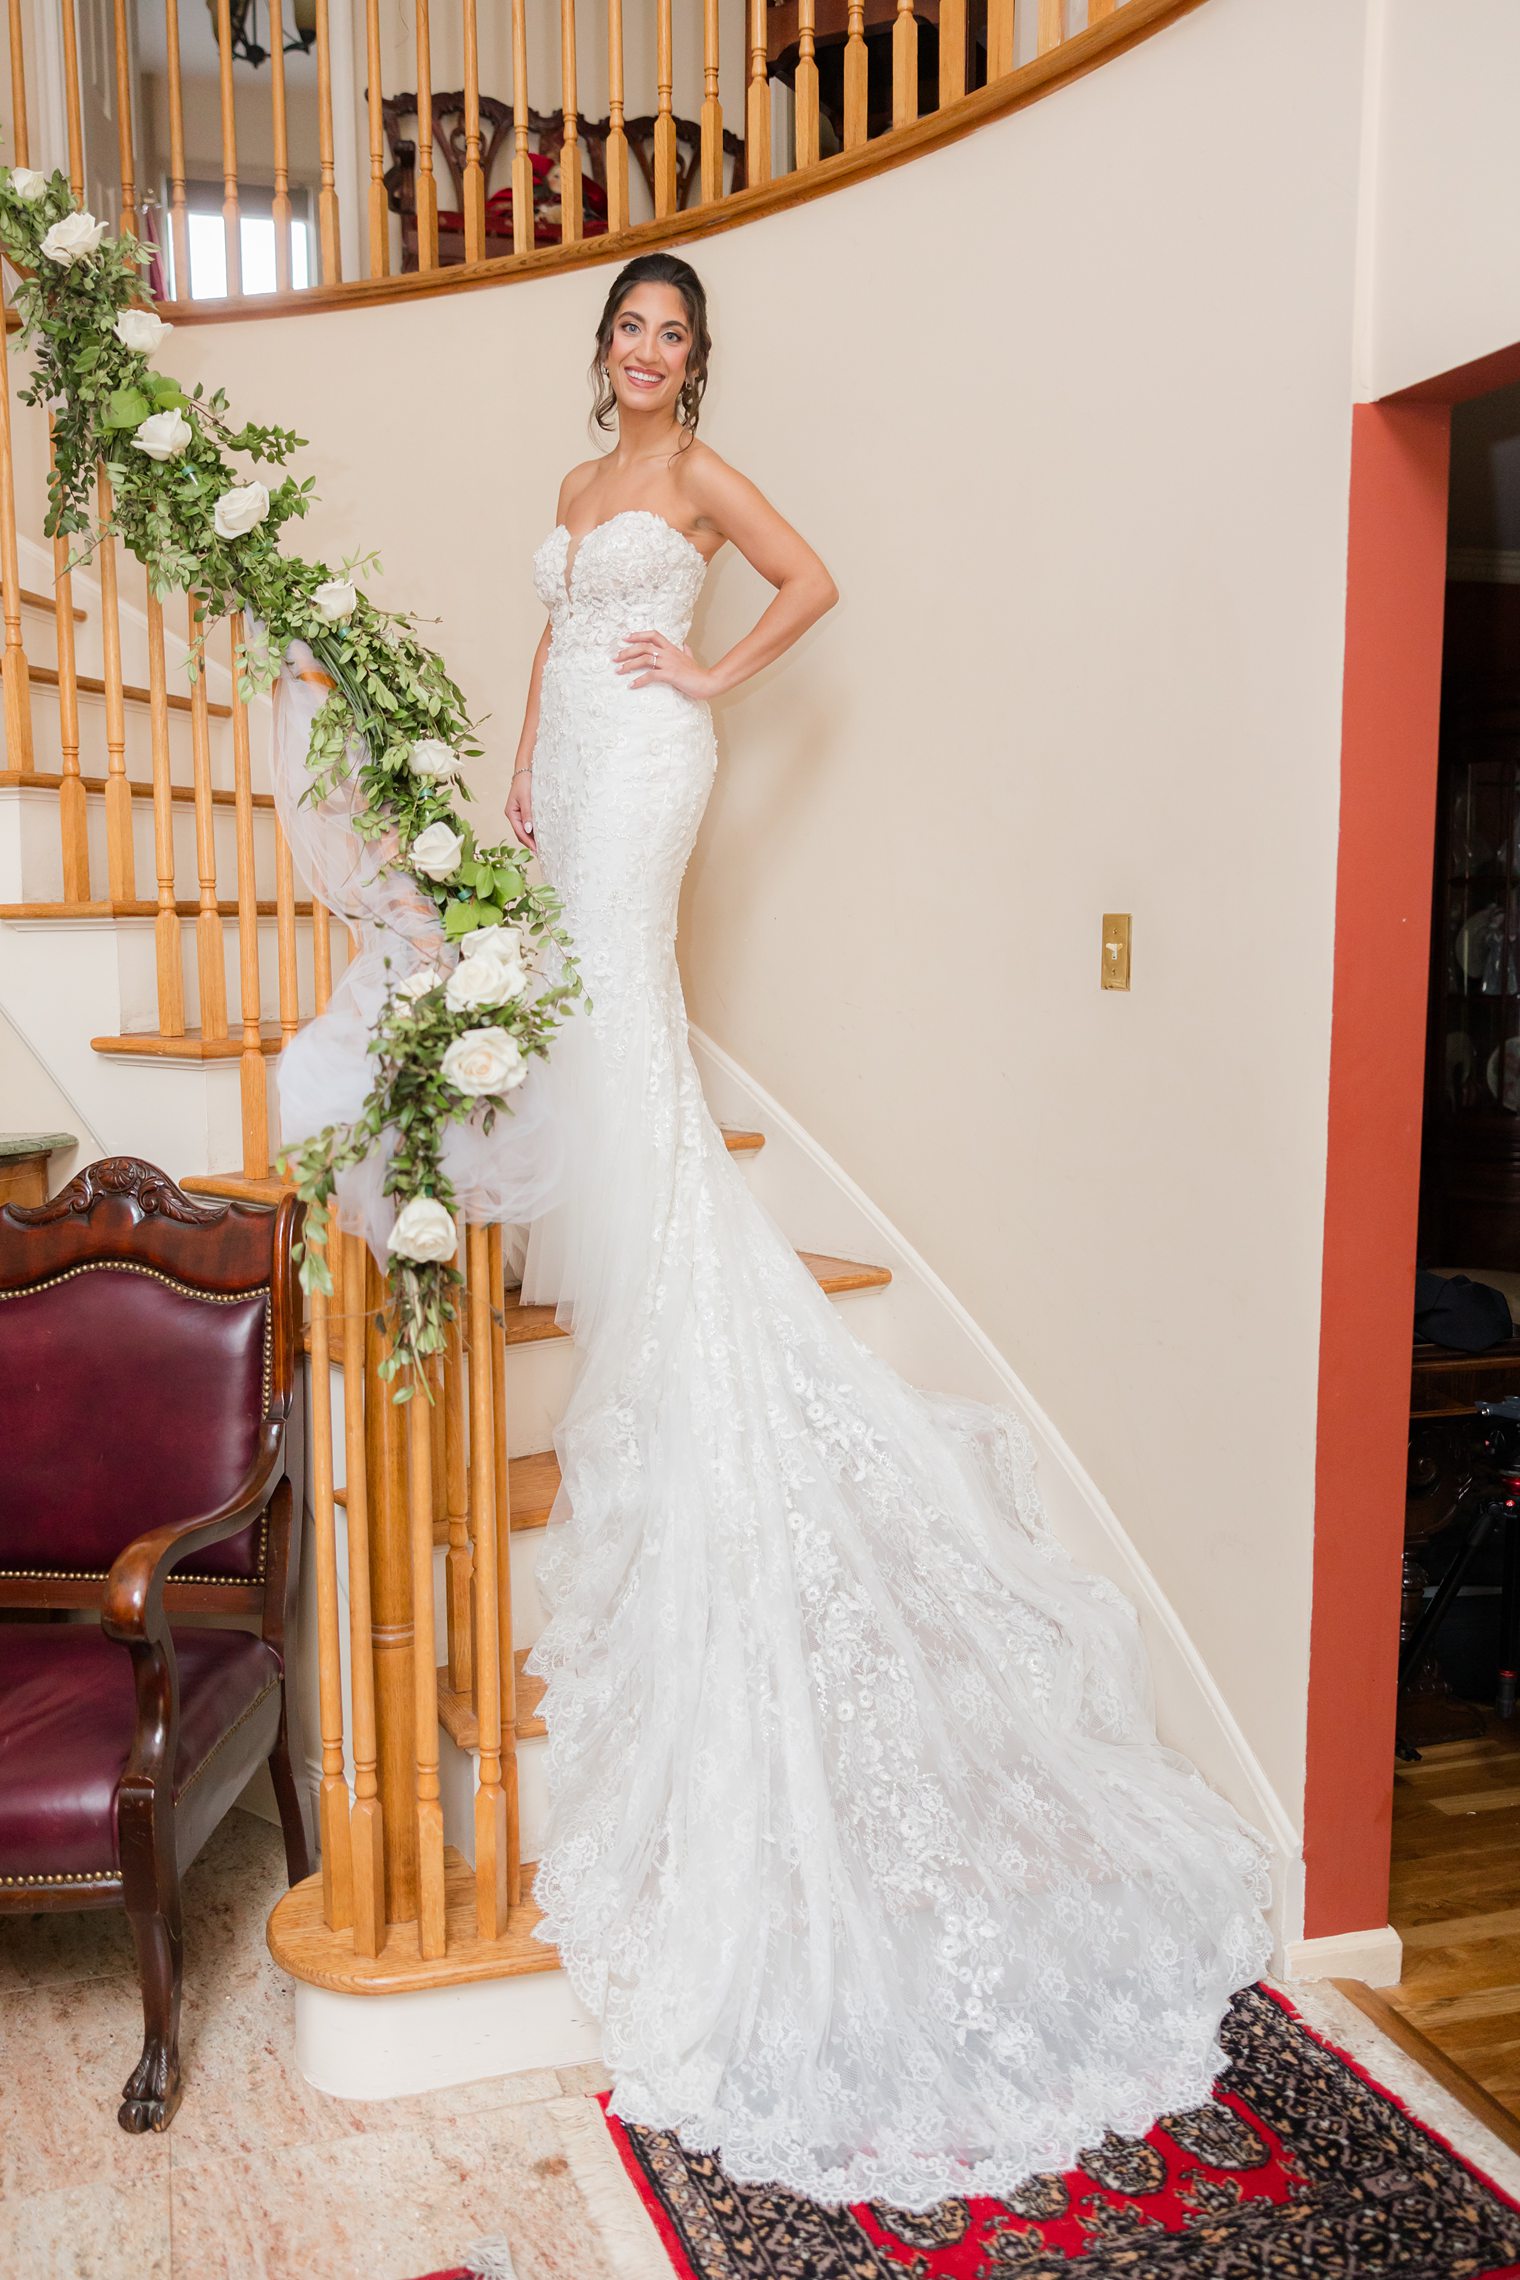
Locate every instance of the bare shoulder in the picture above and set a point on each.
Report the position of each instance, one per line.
(573, 485)
(714, 492)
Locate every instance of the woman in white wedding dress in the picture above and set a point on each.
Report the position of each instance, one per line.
(861, 1842)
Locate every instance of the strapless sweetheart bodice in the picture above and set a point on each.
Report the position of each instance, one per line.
(631, 572)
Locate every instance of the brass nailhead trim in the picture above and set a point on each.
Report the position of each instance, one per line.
(207, 1298)
(66, 1876)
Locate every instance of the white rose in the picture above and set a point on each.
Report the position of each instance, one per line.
(73, 239)
(480, 982)
(335, 599)
(163, 435)
(423, 1231)
(436, 852)
(417, 985)
(493, 942)
(433, 760)
(29, 185)
(484, 1061)
(241, 509)
(141, 329)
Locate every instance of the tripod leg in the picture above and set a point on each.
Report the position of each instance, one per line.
(1509, 1617)
(1451, 1583)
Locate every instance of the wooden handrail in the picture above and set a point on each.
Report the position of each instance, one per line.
(1109, 35)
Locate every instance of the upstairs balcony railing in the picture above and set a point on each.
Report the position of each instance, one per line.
(270, 147)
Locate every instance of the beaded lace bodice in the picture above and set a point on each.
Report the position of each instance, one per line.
(860, 1838)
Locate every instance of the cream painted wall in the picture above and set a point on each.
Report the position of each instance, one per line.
(1442, 281)
(1065, 407)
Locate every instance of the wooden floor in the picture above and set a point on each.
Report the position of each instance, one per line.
(1455, 1902)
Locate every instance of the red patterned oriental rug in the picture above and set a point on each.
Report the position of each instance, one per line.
(1301, 2167)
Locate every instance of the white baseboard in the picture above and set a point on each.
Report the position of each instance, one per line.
(364, 2046)
(1375, 1957)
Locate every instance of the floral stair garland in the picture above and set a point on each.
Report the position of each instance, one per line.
(449, 1046)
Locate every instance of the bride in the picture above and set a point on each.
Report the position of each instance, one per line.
(861, 1842)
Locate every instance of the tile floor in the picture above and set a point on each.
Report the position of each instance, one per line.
(260, 2174)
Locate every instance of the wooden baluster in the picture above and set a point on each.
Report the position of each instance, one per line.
(283, 264)
(856, 63)
(664, 116)
(327, 192)
(15, 672)
(124, 119)
(617, 134)
(1000, 38)
(72, 111)
(121, 862)
(231, 221)
(179, 208)
(252, 1082)
(168, 948)
(522, 163)
(757, 109)
(285, 932)
(492, 1847)
(1051, 28)
(321, 954)
(501, 1479)
(570, 148)
(367, 1822)
(73, 817)
(904, 65)
(474, 177)
(379, 204)
(393, 1628)
(427, 188)
(333, 1807)
(712, 108)
(1097, 10)
(210, 948)
(432, 1935)
(952, 51)
(805, 86)
(20, 144)
(456, 1493)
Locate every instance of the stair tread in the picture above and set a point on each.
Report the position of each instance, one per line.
(526, 1325)
(47, 780)
(139, 907)
(302, 1944)
(456, 1712)
(91, 685)
(31, 599)
(192, 1046)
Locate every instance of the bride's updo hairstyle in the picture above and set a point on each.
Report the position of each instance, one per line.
(655, 269)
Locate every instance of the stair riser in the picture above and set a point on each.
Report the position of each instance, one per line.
(459, 1777)
(139, 1009)
(94, 751)
(42, 877)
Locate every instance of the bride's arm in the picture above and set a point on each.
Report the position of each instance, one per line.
(520, 790)
(725, 501)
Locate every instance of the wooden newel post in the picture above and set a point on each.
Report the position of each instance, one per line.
(431, 1922)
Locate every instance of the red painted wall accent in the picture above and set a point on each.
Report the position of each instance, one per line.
(1396, 571)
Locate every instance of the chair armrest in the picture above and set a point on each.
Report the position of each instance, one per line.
(134, 1587)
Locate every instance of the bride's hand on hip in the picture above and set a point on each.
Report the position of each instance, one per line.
(659, 662)
(520, 808)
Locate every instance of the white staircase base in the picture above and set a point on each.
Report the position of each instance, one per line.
(392, 2046)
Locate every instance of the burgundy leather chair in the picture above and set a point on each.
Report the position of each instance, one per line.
(150, 1468)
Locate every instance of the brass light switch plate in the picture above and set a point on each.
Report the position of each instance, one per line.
(1115, 975)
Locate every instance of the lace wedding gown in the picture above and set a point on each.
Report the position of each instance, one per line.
(860, 1839)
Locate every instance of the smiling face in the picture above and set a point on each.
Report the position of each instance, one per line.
(647, 353)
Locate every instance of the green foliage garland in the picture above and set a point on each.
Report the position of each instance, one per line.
(393, 718)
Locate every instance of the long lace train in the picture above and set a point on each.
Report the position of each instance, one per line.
(861, 1841)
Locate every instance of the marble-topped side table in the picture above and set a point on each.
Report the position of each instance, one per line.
(24, 1164)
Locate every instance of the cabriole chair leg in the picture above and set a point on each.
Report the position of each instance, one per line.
(152, 2095)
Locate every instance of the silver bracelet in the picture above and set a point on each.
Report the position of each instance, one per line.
(520, 772)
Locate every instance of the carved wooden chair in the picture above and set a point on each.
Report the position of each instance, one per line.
(545, 134)
(150, 1468)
